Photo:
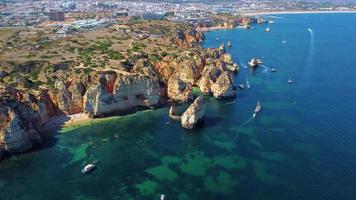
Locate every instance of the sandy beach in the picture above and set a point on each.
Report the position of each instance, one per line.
(295, 12)
(65, 121)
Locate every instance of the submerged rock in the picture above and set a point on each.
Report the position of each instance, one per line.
(194, 114)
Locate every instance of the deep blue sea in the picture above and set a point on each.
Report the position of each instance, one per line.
(301, 146)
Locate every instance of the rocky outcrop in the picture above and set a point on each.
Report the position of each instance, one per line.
(229, 64)
(69, 96)
(216, 80)
(190, 38)
(21, 116)
(129, 90)
(179, 90)
(194, 114)
(16, 136)
(173, 113)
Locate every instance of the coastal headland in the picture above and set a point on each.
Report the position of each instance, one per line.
(50, 79)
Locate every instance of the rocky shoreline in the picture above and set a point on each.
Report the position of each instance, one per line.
(141, 83)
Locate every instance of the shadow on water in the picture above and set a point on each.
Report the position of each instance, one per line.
(48, 133)
(212, 122)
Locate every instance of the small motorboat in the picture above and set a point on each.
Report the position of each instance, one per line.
(229, 44)
(162, 196)
(254, 62)
(270, 22)
(258, 107)
(267, 29)
(290, 80)
(95, 161)
(88, 168)
(242, 86)
(273, 70)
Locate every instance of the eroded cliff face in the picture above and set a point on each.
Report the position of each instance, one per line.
(189, 38)
(179, 90)
(122, 93)
(21, 115)
(69, 96)
(212, 70)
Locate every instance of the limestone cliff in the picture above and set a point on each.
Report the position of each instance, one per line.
(21, 115)
(122, 93)
(69, 96)
(194, 114)
(189, 38)
(178, 90)
(41, 90)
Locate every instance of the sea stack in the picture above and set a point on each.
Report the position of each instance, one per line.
(194, 114)
(172, 113)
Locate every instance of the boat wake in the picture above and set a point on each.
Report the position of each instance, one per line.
(309, 58)
(247, 83)
(242, 125)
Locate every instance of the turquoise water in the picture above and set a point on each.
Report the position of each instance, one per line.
(301, 146)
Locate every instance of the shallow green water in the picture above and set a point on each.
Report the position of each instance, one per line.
(301, 146)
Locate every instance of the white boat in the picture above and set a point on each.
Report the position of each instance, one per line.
(88, 168)
(242, 86)
(229, 44)
(162, 196)
(290, 80)
(270, 22)
(255, 62)
(267, 29)
(273, 70)
(258, 107)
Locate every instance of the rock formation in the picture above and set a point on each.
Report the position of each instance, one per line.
(190, 38)
(217, 80)
(194, 114)
(123, 93)
(135, 81)
(179, 90)
(172, 113)
(69, 96)
(20, 118)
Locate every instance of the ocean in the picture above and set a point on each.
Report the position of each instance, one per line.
(302, 145)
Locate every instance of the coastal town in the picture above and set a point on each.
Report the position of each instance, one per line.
(28, 13)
